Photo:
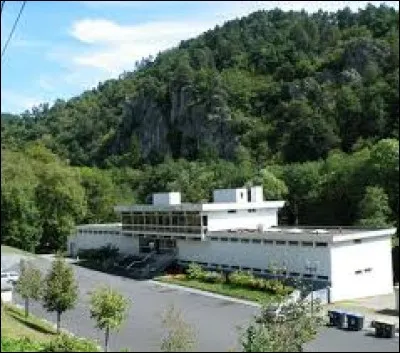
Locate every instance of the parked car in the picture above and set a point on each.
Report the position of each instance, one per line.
(9, 277)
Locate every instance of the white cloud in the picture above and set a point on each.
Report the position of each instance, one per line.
(114, 48)
(18, 102)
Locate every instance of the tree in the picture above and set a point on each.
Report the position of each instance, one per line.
(273, 187)
(61, 290)
(180, 336)
(374, 208)
(287, 333)
(108, 308)
(29, 285)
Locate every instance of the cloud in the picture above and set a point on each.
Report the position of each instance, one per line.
(19, 102)
(113, 47)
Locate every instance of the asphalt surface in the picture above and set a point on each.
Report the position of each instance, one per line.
(336, 340)
(215, 321)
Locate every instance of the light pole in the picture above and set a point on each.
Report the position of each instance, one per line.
(311, 267)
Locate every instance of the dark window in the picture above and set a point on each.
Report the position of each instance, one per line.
(307, 243)
(257, 241)
(323, 277)
(205, 221)
(235, 267)
(249, 195)
(268, 241)
(280, 242)
(234, 240)
(231, 211)
(241, 195)
(246, 268)
(369, 269)
(224, 239)
(244, 240)
(357, 241)
(294, 274)
(181, 237)
(358, 272)
(252, 210)
(214, 238)
(225, 266)
(293, 243)
(197, 239)
(321, 245)
(257, 269)
(307, 275)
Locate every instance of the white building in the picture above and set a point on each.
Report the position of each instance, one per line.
(239, 230)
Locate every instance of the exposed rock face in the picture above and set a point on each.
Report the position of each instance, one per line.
(184, 129)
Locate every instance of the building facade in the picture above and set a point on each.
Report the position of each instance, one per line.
(239, 230)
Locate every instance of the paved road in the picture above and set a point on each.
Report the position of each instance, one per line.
(336, 340)
(215, 320)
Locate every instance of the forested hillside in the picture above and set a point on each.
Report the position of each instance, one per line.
(307, 105)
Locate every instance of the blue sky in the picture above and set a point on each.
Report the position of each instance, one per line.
(60, 49)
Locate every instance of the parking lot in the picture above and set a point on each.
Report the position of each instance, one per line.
(216, 321)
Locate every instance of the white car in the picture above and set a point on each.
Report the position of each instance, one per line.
(9, 277)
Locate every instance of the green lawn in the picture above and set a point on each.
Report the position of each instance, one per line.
(14, 324)
(221, 288)
(10, 250)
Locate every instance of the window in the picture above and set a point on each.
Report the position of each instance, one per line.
(231, 211)
(280, 242)
(268, 241)
(205, 221)
(358, 272)
(214, 238)
(307, 275)
(225, 266)
(369, 269)
(249, 195)
(197, 239)
(234, 240)
(357, 241)
(252, 210)
(235, 267)
(257, 241)
(241, 195)
(244, 240)
(257, 269)
(294, 274)
(321, 245)
(246, 268)
(293, 243)
(224, 239)
(181, 237)
(322, 277)
(307, 243)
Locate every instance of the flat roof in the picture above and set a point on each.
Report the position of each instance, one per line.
(332, 234)
(201, 206)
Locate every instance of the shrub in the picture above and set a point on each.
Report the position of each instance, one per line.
(195, 271)
(66, 343)
(213, 277)
(23, 344)
(242, 279)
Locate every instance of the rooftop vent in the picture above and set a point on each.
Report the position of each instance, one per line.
(319, 231)
(295, 230)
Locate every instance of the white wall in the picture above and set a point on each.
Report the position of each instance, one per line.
(222, 220)
(6, 296)
(167, 198)
(347, 257)
(254, 255)
(125, 244)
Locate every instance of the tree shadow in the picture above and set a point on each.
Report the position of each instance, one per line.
(390, 312)
(32, 325)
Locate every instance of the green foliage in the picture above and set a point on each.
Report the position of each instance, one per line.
(180, 336)
(23, 344)
(195, 271)
(283, 333)
(374, 208)
(109, 309)
(30, 284)
(67, 343)
(61, 290)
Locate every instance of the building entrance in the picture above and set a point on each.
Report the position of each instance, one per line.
(160, 246)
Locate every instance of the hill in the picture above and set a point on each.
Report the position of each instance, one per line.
(257, 85)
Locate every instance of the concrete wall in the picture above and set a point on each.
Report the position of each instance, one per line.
(372, 257)
(167, 198)
(254, 255)
(230, 195)
(223, 220)
(125, 244)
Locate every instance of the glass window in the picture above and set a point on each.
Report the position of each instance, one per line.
(280, 242)
(321, 245)
(205, 221)
(224, 239)
(231, 211)
(244, 240)
(256, 241)
(293, 243)
(268, 241)
(307, 243)
(234, 240)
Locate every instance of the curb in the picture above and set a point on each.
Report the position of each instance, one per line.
(205, 293)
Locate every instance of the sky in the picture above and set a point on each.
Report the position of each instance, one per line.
(59, 49)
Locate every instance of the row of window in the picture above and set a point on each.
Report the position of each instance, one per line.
(87, 231)
(271, 242)
(251, 210)
(162, 218)
(365, 270)
(155, 236)
(163, 229)
(253, 269)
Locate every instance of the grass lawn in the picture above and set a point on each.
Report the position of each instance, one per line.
(220, 288)
(15, 325)
(10, 250)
